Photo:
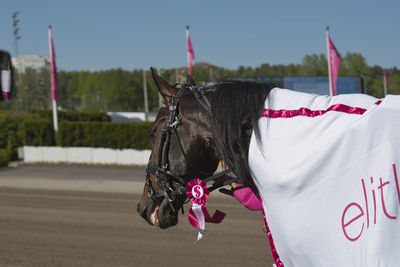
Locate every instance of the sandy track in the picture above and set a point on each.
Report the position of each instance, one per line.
(75, 227)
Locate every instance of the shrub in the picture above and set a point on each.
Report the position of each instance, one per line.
(72, 116)
(37, 133)
(4, 157)
(10, 137)
(17, 129)
(103, 134)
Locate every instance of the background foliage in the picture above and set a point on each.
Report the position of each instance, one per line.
(122, 90)
(76, 129)
(85, 96)
(103, 134)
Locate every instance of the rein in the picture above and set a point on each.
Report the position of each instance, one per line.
(173, 185)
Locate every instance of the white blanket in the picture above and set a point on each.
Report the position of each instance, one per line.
(329, 181)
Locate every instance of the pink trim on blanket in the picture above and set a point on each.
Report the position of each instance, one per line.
(275, 255)
(284, 113)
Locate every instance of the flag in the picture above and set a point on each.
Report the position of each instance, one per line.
(53, 68)
(190, 52)
(54, 80)
(334, 65)
(5, 75)
(6, 83)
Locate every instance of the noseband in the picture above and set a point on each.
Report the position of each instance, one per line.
(173, 185)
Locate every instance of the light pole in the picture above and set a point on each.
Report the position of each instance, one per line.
(15, 32)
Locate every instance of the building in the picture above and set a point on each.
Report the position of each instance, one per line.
(35, 62)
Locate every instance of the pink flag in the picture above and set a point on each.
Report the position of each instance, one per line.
(190, 52)
(334, 64)
(53, 68)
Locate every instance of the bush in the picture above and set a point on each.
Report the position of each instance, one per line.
(72, 116)
(19, 129)
(37, 133)
(10, 137)
(4, 157)
(103, 134)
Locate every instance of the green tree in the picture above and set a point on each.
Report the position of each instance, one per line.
(32, 90)
(314, 65)
(354, 64)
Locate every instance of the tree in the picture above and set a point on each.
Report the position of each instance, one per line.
(354, 64)
(32, 90)
(314, 65)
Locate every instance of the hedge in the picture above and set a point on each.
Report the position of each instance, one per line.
(10, 137)
(103, 134)
(19, 129)
(37, 133)
(72, 116)
(4, 157)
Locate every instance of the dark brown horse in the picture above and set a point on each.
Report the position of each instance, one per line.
(310, 166)
(190, 135)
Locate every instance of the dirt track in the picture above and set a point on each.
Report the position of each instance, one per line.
(90, 225)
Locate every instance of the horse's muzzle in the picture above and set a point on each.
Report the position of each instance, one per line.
(157, 214)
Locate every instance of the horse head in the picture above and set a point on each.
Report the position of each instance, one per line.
(183, 148)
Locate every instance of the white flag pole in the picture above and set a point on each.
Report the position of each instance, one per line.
(384, 83)
(52, 80)
(146, 104)
(329, 61)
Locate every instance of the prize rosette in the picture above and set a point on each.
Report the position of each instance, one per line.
(198, 193)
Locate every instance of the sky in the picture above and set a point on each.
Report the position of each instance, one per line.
(130, 34)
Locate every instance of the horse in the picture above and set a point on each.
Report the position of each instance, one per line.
(325, 168)
(183, 147)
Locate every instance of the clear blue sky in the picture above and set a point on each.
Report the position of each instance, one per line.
(101, 35)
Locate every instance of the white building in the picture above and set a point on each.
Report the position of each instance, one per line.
(36, 62)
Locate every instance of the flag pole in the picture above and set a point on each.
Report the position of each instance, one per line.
(146, 104)
(160, 97)
(384, 83)
(329, 61)
(53, 80)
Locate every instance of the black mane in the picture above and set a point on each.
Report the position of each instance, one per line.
(237, 108)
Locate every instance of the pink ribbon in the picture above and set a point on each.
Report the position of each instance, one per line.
(5, 94)
(197, 192)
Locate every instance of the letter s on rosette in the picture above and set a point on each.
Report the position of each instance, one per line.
(197, 192)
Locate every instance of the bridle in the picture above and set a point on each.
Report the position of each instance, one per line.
(173, 185)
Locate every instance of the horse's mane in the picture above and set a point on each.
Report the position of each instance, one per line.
(237, 108)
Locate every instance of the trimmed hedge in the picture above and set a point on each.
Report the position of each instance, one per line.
(37, 133)
(72, 116)
(103, 134)
(4, 158)
(10, 137)
(19, 129)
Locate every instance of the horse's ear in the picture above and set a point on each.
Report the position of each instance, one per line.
(163, 86)
(190, 81)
